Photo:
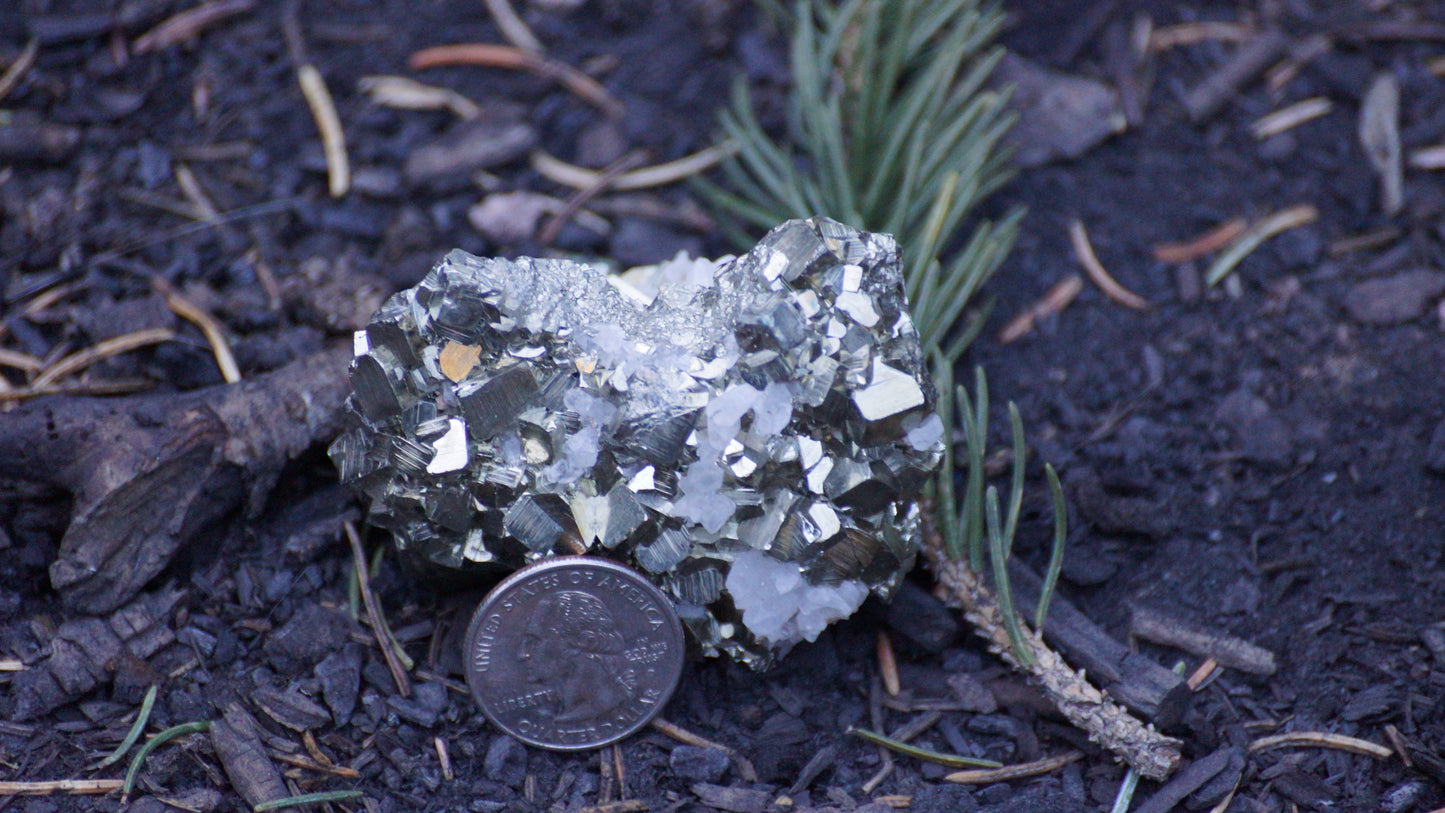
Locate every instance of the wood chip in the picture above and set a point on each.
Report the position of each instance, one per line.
(1252, 57)
(239, 747)
(1206, 670)
(1379, 132)
(1084, 253)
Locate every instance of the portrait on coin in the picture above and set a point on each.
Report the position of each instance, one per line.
(574, 649)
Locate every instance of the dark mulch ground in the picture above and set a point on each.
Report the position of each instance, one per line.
(1256, 463)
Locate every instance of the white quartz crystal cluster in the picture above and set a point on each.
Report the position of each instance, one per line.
(751, 433)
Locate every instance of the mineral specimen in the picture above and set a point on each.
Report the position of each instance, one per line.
(752, 439)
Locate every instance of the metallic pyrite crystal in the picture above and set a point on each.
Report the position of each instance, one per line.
(753, 442)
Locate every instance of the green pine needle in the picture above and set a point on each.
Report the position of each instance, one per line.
(890, 128)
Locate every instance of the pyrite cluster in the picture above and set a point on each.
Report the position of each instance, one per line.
(754, 443)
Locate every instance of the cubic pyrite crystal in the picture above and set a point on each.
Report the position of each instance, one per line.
(753, 442)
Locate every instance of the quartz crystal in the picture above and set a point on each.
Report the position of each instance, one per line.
(752, 434)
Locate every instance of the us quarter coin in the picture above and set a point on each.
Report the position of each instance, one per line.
(573, 653)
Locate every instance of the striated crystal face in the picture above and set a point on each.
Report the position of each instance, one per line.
(754, 442)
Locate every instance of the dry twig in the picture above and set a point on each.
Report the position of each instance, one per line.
(85, 786)
(506, 56)
(1084, 253)
(1228, 650)
(373, 612)
(1152, 754)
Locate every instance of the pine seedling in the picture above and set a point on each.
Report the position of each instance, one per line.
(891, 128)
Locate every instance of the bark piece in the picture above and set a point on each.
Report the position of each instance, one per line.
(1190, 779)
(243, 755)
(1227, 650)
(312, 633)
(1061, 116)
(340, 676)
(86, 651)
(1396, 299)
(467, 147)
(734, 800)
(290, 708)
(151, 473)
(915, 614)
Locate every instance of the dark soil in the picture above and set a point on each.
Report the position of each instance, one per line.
(1262, 461)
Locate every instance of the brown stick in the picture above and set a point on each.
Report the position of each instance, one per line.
(87, 786)
(373, 613)
(1227, 650)
(170, 465)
